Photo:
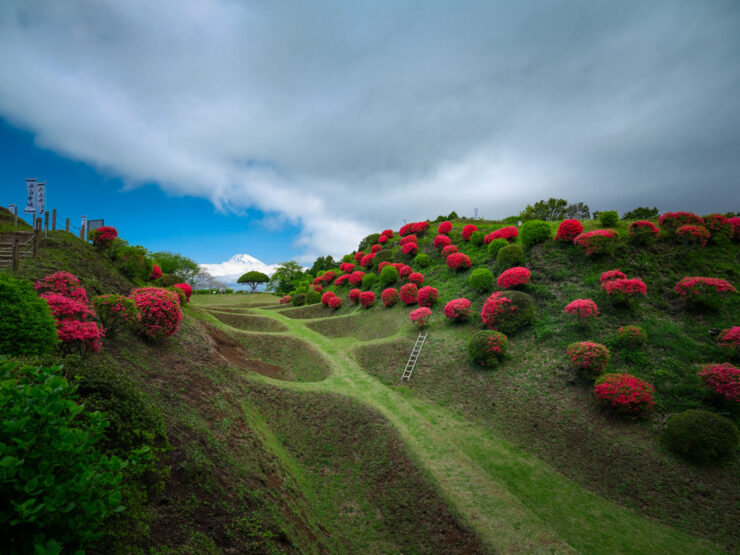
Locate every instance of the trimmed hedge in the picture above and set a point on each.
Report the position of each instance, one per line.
(701, 436)
(481, 279)
(487, 348)
(535, 231)
(510, 256)
(26, 324)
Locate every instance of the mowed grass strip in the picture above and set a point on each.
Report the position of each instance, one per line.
(376, 324)
(248, 322)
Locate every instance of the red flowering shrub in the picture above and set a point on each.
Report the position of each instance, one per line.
(735, 223)
(341, 280)
(81, 335)
(487, 348)
(622, 291)
(420, 316)
(458, 310)
(326, 297)
(409, 293)
(704, 292)
(631, 336)
(156, 273)
(513, 277)
(409, 249)
(359, 256)
(185, 289)
(583, 309)
(405, 271)
(468, 230)
(367, 260)
(285, 300)
(444, 228)
(448, 250)
(406, 229)
(376, 248)
(569, 230)
(383, 239)
(610, 275)
(389, 297)
(367, 299)
(318, 287)
(693, 235)
(722, 379)
(335, 302)
(495, 309)
(354, 295)
(409, 239)
(441, 241)
(355, 278)
(328, 276)
(508, 311)
(64, 308)
(588, 358)
(509, 233)
(597, 242)
(103, 237)
(671, 221)
(625, 393)
(383, 265)
(420, 227)
(719, 227)
(642, 232)
(427, 296)
(730, 339)
(159, 310)
(115, 312)
(458, 261)
(387, 233)
(63, 283)
(416, 278)
(317, 280)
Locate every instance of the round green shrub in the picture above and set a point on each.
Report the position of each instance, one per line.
(422, 260)
(26, 324)
(608, 218)
(369, 280)
(167, 280)
(385, 255)
(487, 348)
(134, 262)
(477, 238)
(523, 315)
(313, 297)
(510, 256)
(496, 245)
(348, 258)
(701, 436)
(298, 299)
(481, 279)
(388, 275)
(631, 337)
(368, 242)
(534, 231)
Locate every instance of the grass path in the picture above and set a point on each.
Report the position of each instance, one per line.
(514, 501)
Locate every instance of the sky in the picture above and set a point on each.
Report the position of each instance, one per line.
(288, 130)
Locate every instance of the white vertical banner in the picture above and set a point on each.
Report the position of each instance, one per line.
(83, 225)
(31, 202)
(41, 196)
(13, 209)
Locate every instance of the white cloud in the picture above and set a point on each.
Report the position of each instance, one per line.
(236, 266)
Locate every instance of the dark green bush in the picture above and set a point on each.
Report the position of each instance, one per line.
(348, 258)
(26, 324)
(385, 255)
(167, 280)
(388, 275)
(608, 218)
(57, 487)
(534, 231)
(510, 256)
(496, 245)
(422, 260)
(298, 299)
(481, 279)
(313, 297)
(701, 436)
(522, 316)
(368, 242)
(477, 238)
(487, 348)
(369, 280)
(134, 262)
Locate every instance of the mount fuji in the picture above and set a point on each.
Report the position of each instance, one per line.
(234, 267)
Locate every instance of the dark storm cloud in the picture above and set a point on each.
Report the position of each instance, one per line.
(351, 116)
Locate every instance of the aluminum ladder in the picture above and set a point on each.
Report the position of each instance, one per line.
(415, 352)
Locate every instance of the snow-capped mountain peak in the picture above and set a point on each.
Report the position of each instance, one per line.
(239, 264)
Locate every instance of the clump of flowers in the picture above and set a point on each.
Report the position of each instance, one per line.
(63, 283)
(703, 292)
(583, 310)
(389, 297)
(64, 308)
(285, 300)
(427, 296)
(569, 230)
(610, 275)
(631, 336)
(406, 229)
(185, 288)
(347, 267)
(367, 299)
(514, 277)
(509, 233)
(156, 273)
(458, 310)
(416, 278)
(693, 235)
(468, 231)
(625, 393)
(359, 256)
(326, 297)
(623, 291)
(375, 248)
(495, 309)
(341, 280)
(103, 237)
(599, 241)
(405, 271)
(588, 358)
(159, 311)
(448, 250)
(730, 339)
(354, 295)
(444, 228)
(420, 227)
(317, 287)
(335, 302)
(355, 278)
(409, 249)
(387, 233)
(367, 260)
(671, 221)
(420, 316)
(458, 261)
(409, 239)
(115, 312)
(642, 232)
(382, 240)
(735, 224)
(82, 335)
(723, 379)
(328, 276)
(719, 227)
(441, 241)
(487, 348)
(409, 292)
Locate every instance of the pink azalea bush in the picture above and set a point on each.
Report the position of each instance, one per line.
(347, 267)
(631, 336)
(383, 239)
(82, 335)
(509, 233)
(458, 261)
(597, 242)
(409, 239)
(458, 310)
(610, 275)
(355, 278)
(406, 229)
(285, 300)
(584, 310)
(730, 339)
(444, 228)
(723, 379)
(64, 308)
(719, 227)
(159, 310)
(625, 393)
(420, 316)
(569, 230)
(103, 237)
(416, 278)
(342, 280)
(409, 249)
(588, 358)
(408, 293)
(495, 310)
(441, 241)
(405, 271)
(448, 250)
(185, 288)
(624, 290)
(115, 312)
(671, 221)
(514, 277)
(354, 295)
(703, 292)
(389, 297)
(326, 297)
(335, 302)
(367, 260)
(156, 273)
(63, 283)
(468, 231)
(642, 232)
(735, 223)
(367, 299)
(427, 296)
(328, 276)
(420, 227)
(375, 248)
(359, 256)
(693, 235)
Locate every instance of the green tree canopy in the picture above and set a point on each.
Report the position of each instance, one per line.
(286, 277)
(548, 210)
(253, 279)
(641, 213)
(176, 264)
